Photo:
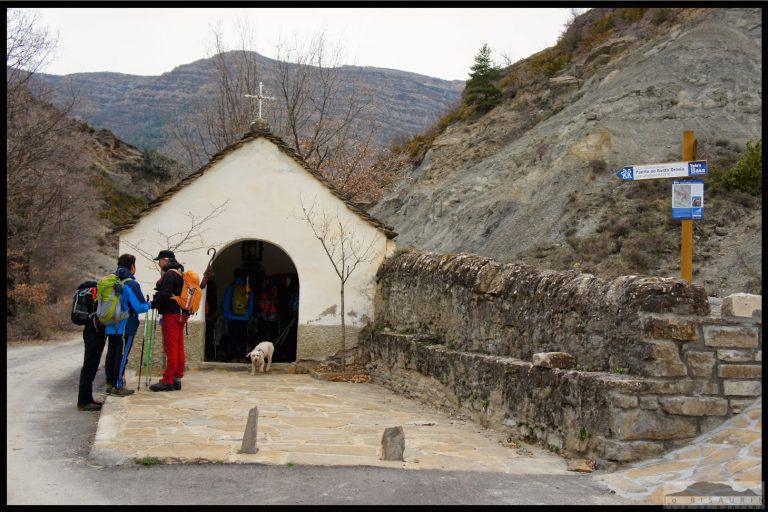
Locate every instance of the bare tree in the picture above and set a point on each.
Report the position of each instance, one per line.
(50, 198)
(344, 248)
(220, 119)
(324, 116)
(28, 47)
(187, 240)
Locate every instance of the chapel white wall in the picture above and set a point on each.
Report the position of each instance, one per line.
(263, 186)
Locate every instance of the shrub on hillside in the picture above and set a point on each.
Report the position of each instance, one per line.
(549, 62)
(747, 174)
(151, 165)
(599, 31)
(660, 16)
(632, 14)
(738, 178)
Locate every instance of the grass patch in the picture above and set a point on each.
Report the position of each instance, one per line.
(148, 461)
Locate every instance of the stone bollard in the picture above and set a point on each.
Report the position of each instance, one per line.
(393, 443)
(249, 436)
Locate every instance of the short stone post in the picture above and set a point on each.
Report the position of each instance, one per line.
(393, 443)
(249, 436)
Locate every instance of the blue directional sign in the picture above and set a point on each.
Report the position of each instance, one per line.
(668, 170)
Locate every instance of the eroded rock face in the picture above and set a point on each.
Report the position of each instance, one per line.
(475, 303)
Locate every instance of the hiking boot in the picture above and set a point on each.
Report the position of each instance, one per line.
(93, 406)
(161, 386)
(177, 384)
(122, 392)
(109, 389)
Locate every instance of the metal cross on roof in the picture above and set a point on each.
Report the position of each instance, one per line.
(260, 97)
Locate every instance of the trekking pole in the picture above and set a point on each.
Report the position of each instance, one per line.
(283, 336)
(141, 356)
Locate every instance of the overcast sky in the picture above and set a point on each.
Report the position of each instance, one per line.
(438, 42)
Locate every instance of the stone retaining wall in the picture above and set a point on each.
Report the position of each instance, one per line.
(652, 367)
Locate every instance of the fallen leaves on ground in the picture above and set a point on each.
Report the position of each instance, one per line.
(350, 373)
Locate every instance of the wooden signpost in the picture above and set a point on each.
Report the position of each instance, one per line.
(688, 168)
(686, 252)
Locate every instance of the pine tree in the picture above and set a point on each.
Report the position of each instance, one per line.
(480, 90)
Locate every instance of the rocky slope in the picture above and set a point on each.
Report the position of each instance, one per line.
(137, 108)
(533, 179)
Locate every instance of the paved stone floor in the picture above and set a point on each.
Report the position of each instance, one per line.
(732, 451)
(301, 421)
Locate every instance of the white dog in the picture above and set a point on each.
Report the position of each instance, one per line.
(262, 352)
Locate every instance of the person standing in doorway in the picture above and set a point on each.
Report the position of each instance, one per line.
(172, 321)
(268, 309)
(237, 310)
(120, 335)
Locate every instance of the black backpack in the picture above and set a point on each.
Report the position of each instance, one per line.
(84, 303)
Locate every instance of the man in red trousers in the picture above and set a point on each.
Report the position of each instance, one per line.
(172, 322)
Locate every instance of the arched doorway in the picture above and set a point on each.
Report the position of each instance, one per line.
(263, 276)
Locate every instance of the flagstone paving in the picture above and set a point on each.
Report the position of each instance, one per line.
(301, 421)
(730, 452)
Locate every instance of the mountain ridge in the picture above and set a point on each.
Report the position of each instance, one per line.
(138, 107)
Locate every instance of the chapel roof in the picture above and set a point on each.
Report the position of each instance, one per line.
(256, 131)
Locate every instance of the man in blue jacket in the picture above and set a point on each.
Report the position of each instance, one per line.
(238, 309)
(120, 336)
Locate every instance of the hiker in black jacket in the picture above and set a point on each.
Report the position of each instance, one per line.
(172, 322)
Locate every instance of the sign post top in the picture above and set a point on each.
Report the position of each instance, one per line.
(667, 170)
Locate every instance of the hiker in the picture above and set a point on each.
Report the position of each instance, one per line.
(237, 309)
(120, 335)
(268, 309)
(173, 320)
(94, 338)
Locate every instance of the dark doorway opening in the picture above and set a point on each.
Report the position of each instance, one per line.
(253, 296)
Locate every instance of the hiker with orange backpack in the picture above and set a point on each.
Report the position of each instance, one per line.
(170, 292)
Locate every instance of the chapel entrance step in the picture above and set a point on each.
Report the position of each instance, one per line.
(246, 367)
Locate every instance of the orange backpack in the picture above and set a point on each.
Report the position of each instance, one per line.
(191, 293)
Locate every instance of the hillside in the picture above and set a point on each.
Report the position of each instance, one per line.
(136, 108)
(68, 185)
(533, 179)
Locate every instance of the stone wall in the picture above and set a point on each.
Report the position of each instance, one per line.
(653, 365)
(477, 304)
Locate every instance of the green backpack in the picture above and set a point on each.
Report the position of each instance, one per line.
(239, 300)
(110, 310)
